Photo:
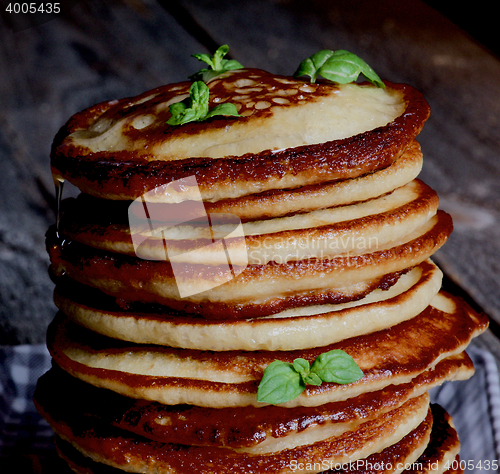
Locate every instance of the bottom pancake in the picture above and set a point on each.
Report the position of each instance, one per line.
(439, 456)
(131, 453)
(442, 452)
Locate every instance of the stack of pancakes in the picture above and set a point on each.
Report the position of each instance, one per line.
(319, 237)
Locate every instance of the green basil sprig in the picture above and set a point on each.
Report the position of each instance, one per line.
(284, 381)
(195, 107)
(217, 65)
(339, 66)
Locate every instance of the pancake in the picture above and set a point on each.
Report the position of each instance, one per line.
(223, 379)
(345, 277)
(443, 441)
(281, 202)
(256, 430)
(324, 233)
(134, 454)
(296, 328)
(442, 452)
(437, 458)
(273, 147)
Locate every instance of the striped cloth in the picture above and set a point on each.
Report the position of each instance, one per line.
(21, 427)
(474, 405)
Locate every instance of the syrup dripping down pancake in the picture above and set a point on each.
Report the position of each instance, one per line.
(223, 379)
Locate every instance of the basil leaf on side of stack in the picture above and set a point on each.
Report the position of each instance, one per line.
(336, 366)
(280, 383)
(284, 381)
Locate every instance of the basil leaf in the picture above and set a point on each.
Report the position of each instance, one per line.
(219, 54)
(195, 107)
(311, 65)
(231, 65)
(336, 366)
(339, 66)
(280, 383)
(223, 109)
(283, 381)
(205, 58)
(301, 366)
(313, 379)
(205, 75)
(217, 65)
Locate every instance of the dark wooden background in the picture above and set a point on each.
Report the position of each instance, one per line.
(103, 49)
(98, 50)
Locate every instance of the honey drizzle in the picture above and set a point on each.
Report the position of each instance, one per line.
(59, 185)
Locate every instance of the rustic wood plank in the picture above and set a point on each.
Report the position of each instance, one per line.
(25, 288)
(103, 50)
(479, 22)
(96, 51)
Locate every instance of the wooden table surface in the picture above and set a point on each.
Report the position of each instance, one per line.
(104, 49)
(99, 50)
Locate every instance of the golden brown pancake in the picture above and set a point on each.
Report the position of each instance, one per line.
(281, 202)
(272, 146)
(437, 458)
(441, 454)
(242, 427)
(126, 451)
(276, 203)
(345, 277)
(218, 379)
(443, 441)
(351, 229)
(296, 328)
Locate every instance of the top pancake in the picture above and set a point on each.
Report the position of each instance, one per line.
(290, 134)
